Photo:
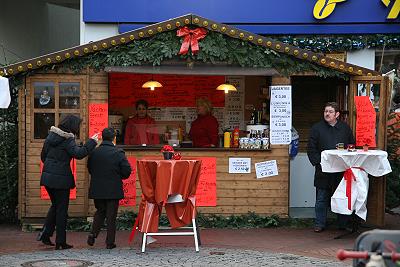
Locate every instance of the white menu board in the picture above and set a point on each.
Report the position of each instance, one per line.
(239, 165)
(266, 169)
(234, 103)
(281, 115)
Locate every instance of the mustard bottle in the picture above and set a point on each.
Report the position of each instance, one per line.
(227, 139)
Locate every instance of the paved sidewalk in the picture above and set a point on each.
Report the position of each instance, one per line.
(220, 247)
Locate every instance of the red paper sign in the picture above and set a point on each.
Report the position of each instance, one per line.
(366, 121)
(72, 194)
(177, 91)
(130, 186)
(206, 194)
(98, 117)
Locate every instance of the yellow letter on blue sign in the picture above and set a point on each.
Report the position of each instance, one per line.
(323, 8)
(394, 11)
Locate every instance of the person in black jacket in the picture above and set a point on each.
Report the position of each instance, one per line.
(325, 135)
(108, 166)
(58, 150)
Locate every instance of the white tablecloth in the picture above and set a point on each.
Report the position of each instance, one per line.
(360, 163)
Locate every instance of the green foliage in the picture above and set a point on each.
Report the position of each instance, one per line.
(214, 48)
(126, 220)
(393, 149)
(9, 156)
(335, 43)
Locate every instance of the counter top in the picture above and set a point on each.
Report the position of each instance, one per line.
(158, 148)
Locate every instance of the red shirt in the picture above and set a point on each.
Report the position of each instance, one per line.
(204, 131)
(141, 131)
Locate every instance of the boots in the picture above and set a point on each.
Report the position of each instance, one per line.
(44, 238)
(60, 246)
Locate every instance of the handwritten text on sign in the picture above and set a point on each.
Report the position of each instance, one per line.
(281, 115)
(239, 165)
(366, 121)
(129, 186)
(266, 169)
(72, 194)
(98, 117)
(206, 193)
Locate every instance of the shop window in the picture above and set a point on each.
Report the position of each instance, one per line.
(43, 122)
(52, 101)
(69, 95)
(44, 95)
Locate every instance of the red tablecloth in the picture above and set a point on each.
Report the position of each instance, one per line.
(160, 179)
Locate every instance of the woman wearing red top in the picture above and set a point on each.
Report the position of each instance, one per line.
(141, 129)
(204, 130)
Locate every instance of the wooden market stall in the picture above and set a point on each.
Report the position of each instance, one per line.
(77, 81)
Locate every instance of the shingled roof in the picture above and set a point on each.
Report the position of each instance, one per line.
(173, 24)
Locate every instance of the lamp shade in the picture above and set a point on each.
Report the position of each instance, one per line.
(226, 87)
(151, 84)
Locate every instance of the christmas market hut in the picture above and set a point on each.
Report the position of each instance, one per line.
(190, 56)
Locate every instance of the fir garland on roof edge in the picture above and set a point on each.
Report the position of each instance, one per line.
(337, 43)
(214, 48)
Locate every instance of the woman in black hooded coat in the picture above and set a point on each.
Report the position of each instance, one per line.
(58, 150)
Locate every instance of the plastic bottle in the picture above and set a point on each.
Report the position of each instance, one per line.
(236, 137)
(180, 134)
(227, 139)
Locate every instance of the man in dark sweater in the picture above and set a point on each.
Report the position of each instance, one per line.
(108, 166)
(325, 135)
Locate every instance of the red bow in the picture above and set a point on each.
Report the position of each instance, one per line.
(191, 39)
(349, 176)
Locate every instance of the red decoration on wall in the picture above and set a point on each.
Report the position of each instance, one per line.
(129, 186)
(206, 193)
(72, 194)
(177, 91)
(98, 117)
(365, 121)
(191, 39)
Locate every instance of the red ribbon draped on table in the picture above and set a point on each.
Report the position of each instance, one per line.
(191, 39)
(349, 177)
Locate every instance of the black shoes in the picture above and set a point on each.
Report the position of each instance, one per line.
(91, 239)
(45, 239)
(60, 246)
(111, 246)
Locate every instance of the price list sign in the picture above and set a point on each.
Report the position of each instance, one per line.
(281, 115)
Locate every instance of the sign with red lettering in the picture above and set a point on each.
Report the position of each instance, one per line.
(72, 194)
(177, 91)
(206, 193)
(98, 118)
(366, 122)
(129, 186)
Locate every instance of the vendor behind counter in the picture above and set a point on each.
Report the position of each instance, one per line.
(142, 129)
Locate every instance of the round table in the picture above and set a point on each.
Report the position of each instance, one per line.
(351, 194)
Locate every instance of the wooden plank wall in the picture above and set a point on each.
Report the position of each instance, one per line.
(31, 205)
(241, 193)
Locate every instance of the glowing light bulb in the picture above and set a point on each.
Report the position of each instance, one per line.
(226, 91)
(152, 88)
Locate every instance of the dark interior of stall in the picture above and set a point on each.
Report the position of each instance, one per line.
(309, 94)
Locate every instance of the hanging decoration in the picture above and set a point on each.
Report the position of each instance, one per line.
(191, 39)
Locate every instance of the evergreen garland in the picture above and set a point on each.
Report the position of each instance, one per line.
(9, 156)
(337, 43)
(214, 48)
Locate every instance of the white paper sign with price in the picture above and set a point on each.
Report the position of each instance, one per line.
(281, 115)
(239, 165)
(266, 169)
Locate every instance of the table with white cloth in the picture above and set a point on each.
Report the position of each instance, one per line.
(352, 192)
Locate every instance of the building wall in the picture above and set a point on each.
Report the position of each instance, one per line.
(32, 28)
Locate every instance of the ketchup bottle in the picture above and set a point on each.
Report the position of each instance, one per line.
(235, 137)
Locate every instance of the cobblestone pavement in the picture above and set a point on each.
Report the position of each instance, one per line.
(161, 256)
